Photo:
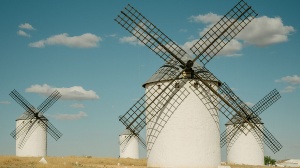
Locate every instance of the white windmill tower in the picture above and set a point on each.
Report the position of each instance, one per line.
(36, 143)
(242, 141)
(179, 120)
(32, 126)
(129, 145)
(247, 149)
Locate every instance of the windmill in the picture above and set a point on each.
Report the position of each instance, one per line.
(129, 145)
(241, 145)
(32, 126)
(176, 105)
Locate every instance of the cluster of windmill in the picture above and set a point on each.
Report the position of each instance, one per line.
(180, 108)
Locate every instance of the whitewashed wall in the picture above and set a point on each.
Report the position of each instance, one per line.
(190, 138)
(131, 149)
(36, 145)
(245, 150)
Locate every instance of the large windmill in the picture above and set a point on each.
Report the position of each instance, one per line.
(178, 104)
(242, 144)
(32, 126)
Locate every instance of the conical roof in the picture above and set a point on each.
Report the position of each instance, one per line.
(126, 132)
(169, 70)
(238, 120)
(26, 114)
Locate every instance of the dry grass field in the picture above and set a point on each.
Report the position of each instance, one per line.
(75, 161)
(69, 162)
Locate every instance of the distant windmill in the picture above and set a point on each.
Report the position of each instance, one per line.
(32, 126)
(129, 145)
(179, 103)
(242, 143)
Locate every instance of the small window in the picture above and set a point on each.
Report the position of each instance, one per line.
(196, 84)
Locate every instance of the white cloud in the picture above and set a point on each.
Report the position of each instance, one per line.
(292, 80)
(265, 31)
(187, 45)
(86, 40)
(131, 40)
(4, 102)
(26, 26)
(229, 50)
(288, 89)
(78, 116)
(261, 31)
(22, 33)
(209, 18)
(38, 44)
(71, 93)
(77, 105)
(295, 79)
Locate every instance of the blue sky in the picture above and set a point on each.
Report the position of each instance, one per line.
(78, 48)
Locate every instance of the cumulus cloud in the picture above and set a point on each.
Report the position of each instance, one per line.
(71, 93)
(4, 102)
(131, 40)
(288, 89)
(187, 45)
(291, 80)
(26, 26)
(77, 105)
(262, 31)
(38, 44)
(86, 40)
(295, 79)
(22, 33)
(78, 116)
(229, 50)
(209, 18)
(265, 31)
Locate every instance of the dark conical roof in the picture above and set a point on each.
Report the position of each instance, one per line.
(238, 120)
(126, 132)
(26, 114)
(169, 70)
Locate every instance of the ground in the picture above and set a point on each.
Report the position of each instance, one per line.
(76, 161)
(69, 162)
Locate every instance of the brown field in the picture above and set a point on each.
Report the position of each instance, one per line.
(69, 162)
(75, 161)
